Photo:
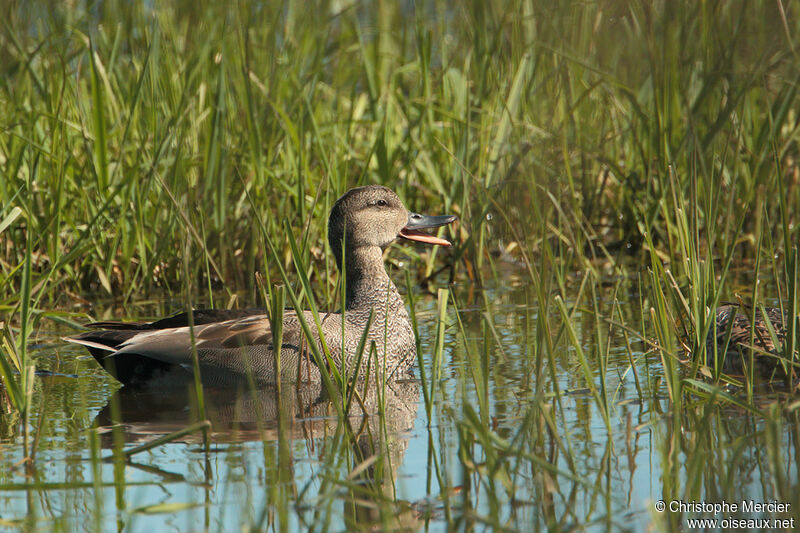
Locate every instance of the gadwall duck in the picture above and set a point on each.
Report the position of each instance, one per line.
(233, 343)
(733, 321)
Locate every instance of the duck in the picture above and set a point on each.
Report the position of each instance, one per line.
(234, 345)
(735, 350)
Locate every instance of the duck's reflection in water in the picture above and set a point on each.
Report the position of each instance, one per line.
(371, 439)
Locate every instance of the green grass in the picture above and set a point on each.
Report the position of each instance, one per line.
(635, 162)
(184, 122)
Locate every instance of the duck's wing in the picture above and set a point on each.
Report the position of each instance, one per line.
(199, 317)
(136, 352)
(174, 344)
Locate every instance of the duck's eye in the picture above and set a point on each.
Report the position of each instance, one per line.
(381, 203)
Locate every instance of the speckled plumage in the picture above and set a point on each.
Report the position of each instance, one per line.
(230, 344)
(736, 320)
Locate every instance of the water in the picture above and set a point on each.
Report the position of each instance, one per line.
(524, 446)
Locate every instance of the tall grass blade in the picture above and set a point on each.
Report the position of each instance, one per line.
(100, 146)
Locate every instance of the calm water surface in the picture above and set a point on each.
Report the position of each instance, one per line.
(525, 445)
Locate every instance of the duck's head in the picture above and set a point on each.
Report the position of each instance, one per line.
(375, 216)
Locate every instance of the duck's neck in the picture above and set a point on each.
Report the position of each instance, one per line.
(368, 284)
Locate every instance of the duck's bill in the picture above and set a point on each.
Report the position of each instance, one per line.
(417, 222)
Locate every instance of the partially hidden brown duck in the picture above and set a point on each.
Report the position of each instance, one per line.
(232, 344)
(731, 338)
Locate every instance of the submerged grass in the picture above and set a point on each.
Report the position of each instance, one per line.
(651, 147)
